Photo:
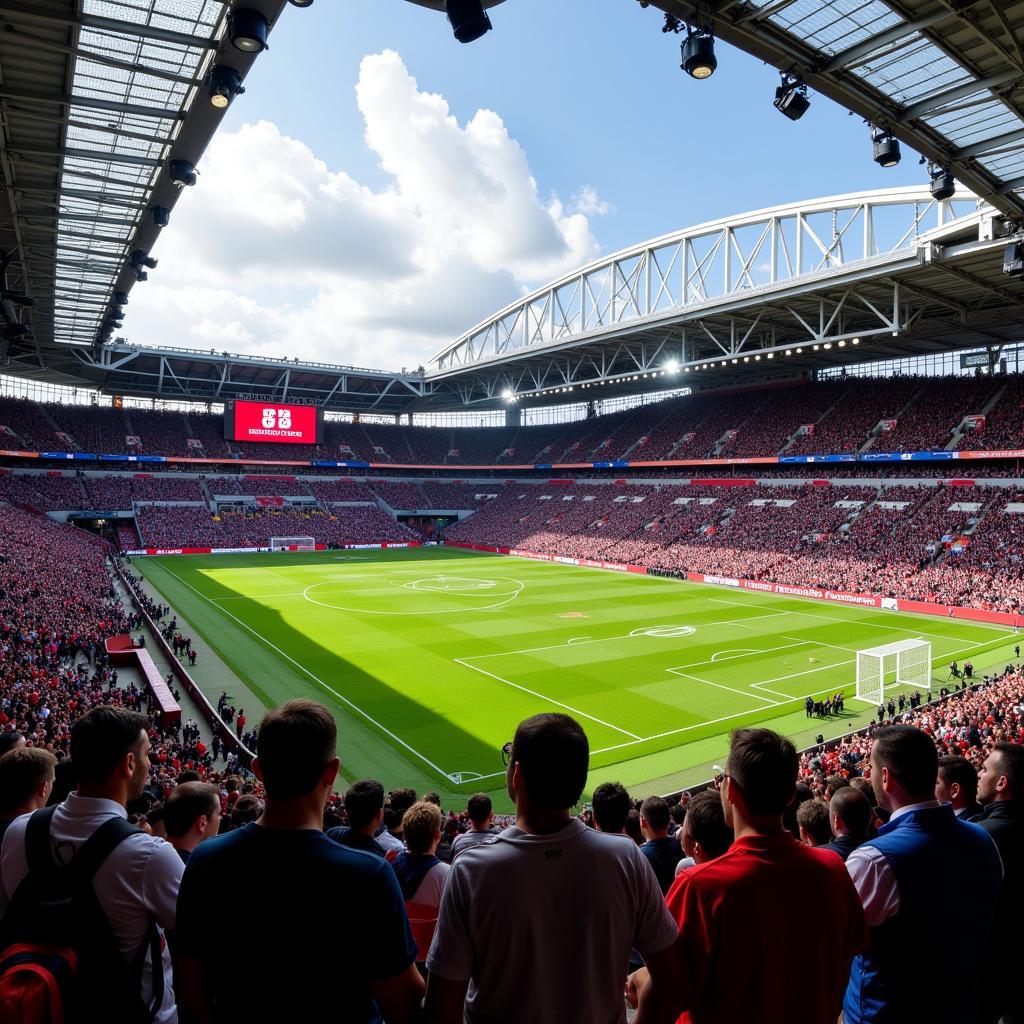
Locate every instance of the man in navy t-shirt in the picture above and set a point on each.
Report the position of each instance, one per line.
(329, 929)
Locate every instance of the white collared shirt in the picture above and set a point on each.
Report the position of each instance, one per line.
(138, 881)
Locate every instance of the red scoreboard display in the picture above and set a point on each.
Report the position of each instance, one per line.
(273, 421)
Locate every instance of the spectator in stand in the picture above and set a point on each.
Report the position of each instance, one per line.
(191, 814)
(1001, 793)
(26, 778)
(926, 873)
(247, 808)
(136, 885)
(730, 963)
(704, 834)
(662, 852)
(420, 872)
(611, 806)
(481, 819)
(813, 824)
(369, 961)
(11, 740)
(507, 945)
(957, 785)
(364, 808)
(392, 838)
(849, 817)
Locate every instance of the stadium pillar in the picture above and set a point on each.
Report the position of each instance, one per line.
(513, 416)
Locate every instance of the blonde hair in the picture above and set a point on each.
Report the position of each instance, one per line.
(420, 825)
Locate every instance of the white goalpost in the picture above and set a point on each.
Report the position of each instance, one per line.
(904, 663)
(292, 544)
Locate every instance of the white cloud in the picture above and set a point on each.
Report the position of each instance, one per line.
(275, 253)
(587, 201)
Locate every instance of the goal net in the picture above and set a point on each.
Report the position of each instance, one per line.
(292, 544)
(881, 669)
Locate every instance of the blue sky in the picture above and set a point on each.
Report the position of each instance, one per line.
(381, 188)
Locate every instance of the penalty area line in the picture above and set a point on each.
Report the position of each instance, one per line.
(316, 679)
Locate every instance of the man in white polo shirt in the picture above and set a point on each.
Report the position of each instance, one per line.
(538, 924)
(137, 884)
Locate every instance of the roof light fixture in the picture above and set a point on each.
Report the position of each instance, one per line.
(223, 83)
(791, 97)
(885, 148)
(698, 53)
(468, 19)
(140, 259)
(161, 216)
(248, 30)
(942, 184)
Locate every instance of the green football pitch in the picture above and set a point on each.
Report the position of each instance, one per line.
(429, 658)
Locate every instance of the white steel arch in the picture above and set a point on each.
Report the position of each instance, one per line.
(711, 265)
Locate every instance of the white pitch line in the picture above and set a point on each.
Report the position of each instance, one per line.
(721, 686)
(550, 700)
(770, 650)
(302, 668)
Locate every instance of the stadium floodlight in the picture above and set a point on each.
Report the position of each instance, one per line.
(120, 298)
(468, 19)
(223, 84)
(183, 174)
(698, 53)
(791, 97)
(672, 366)
(301, 3)
(1013, 259)
(885, 148)
(248, 30)
(141, 258)
(161, 216)
(942, 184)
(141, 276)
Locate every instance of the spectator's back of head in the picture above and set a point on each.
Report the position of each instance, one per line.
(101, 740)
(295, 744)
(904, 766)
(813, 821)
(186, 804)
(479, 808)
(11, 740)
(26, 777)
(421, 825)
(401, 800)
(551, 754)
(363, 802)
(611, 805)
(853, 811)
(246, 808)
(654, 811)
(763, 765)
(705, 833)
(189, 775)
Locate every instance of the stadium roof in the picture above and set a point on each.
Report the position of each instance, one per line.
(944, 76)
(96, 97)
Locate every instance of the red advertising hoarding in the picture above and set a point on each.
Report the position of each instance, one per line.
(273, 421)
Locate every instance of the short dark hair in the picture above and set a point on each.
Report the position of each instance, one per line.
(22, 772)
(911, 757)
(432, 798)
(553, 755)
(9, 740)
(959, 770)
(189, 775)
(763, 765)
(363, 801)
(1011, 764)
(654, 810)
(294, 744)
(852, 808)
(101, 738)
(248, 807)
(611, 804)
(707, 822)
(834, 783)
(401, 799)
(479, 807)
(186, 803)
(812, 817)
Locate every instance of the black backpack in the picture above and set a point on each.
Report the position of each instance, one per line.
(59, 959)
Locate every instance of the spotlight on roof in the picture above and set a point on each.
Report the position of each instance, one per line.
(247, 30)
(120, 298)
(141, 276)
(301, 3)
(161, 216)
(698, 52)
(886, 149)
(141, 259)
(223, 84)
(942, 185)
(1013, 259)
(791, 98)
(183, 174)
(672, 366)
(468, 19)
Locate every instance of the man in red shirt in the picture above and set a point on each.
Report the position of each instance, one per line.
(767, 930)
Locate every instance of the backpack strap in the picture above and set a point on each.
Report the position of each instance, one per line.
(37, 841)
(99, 846)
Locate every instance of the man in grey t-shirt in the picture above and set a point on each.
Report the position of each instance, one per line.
(538, 924)
(481, 817)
